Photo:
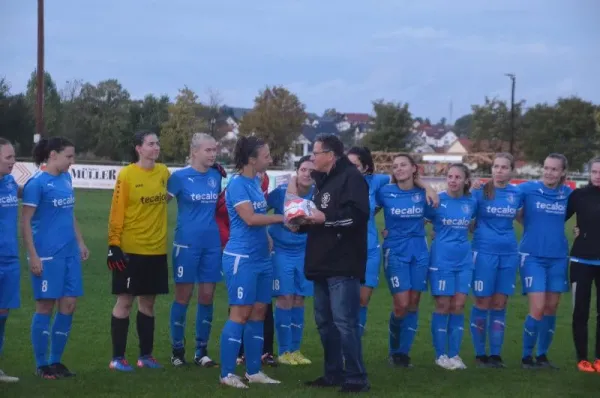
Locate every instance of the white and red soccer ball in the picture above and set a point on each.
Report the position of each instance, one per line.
(294, 209)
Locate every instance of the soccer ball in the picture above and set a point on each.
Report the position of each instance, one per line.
(296, 208)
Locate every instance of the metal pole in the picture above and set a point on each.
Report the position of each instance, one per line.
(512, 116)
(513, 79)
(39, 109)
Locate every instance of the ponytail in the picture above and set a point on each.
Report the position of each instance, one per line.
(42, 150)
(489, 190)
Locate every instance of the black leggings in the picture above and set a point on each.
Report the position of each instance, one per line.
(269, 333)
(582, 278)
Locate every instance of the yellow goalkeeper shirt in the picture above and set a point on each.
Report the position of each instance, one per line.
(138, 212)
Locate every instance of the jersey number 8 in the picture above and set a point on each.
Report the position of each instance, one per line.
(44, 286)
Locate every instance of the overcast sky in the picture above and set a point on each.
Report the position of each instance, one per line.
(332, 53)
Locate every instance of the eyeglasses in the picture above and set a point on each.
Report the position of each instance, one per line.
(318, 153)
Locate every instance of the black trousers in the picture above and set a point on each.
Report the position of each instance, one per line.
(582, 277)
(269, 333)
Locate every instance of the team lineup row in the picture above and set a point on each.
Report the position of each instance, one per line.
(261, 256)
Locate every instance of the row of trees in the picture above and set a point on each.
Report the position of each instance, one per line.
(100, 119)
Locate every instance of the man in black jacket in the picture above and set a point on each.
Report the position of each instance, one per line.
(336, 257)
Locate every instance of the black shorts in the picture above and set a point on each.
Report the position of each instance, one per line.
(145, 275)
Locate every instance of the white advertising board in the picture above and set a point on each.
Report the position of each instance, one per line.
(103, 177)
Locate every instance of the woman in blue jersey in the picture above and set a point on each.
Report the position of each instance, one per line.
(196, 246)
(362, 159)
(451, 265)
(496, 259)
(55, 249)
(406, 255)
(247, 264)
(544, 253)
(10, 268)
(290, 286)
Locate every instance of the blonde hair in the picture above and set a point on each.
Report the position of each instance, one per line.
(196, 141)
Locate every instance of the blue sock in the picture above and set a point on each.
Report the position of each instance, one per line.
(409, 331)
(456, 330)
(297, 328)
(395, 330)
(439, 333)
(530, 335)
(204, 317)
(231, 340)
(253, 346)
(479, 326)
(3, 318)
(362, 320)
(497, 325)
(40, 325)
(60, 335)
(283, 327)
(546, 334)
(178, 318)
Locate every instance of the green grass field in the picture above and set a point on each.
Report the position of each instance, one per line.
(89, 348)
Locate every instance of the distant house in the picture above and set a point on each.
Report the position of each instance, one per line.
(438, 136)
(418, 145)
(303, 145)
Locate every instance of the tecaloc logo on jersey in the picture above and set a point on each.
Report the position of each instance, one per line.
(262, 205)
(9, 201)
(210, 197)
(69, 201)
(407, 212)
(505, 211)
(456, 222)
(552, 208)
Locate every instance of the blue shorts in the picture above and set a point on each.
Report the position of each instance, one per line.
(494, 273)
(196, 265)
(404, 272)
(448, 282)
(61, 277)
(373, 263)
(249, 280)
(288, 274)
(10, 283)
(543, 274)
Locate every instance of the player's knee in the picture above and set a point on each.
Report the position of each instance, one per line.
(498, 303)
(550, 308)
(205, 298)
(123, 306)
(483, 303)
(442, 305)
(259, 311)
(240, 313)
(285, 302)
(67, 307)
(146, 305)
(298, 301)
(44, 306)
